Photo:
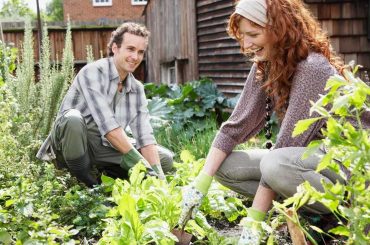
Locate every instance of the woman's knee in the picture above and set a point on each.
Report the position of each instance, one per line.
(273, 168)
(241, 166)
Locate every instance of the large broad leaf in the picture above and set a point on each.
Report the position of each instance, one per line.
(5, 238)
(186, 91)
(130, 216)
(303, 125)
(159, 112)
(153, 90)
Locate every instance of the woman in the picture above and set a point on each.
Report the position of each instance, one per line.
(292, 62)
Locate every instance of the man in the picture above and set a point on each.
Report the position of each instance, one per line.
(102, 101)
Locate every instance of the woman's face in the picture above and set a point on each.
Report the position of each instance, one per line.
(254, 39)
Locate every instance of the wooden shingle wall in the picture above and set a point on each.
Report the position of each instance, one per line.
(172, 42)
(219, 56)
(346, 22)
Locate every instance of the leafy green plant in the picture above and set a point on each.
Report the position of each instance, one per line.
(345, 102)
(191, 101)
(197, 137)
(147, 209)
(8, 56)
(36, 114)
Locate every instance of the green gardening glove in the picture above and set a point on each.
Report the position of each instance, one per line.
(192, 196)
(158, 170)
(131, 158)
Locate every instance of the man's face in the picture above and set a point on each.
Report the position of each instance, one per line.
(129, 56)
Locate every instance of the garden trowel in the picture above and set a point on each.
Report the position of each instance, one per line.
(181, 234)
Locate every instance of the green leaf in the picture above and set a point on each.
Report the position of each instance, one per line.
(303, 125)
(359, 97)
(9, 202)
(186, 156)
(341, 105)
(106, 180)
(325, 161)
(340, 230)
(5, 237)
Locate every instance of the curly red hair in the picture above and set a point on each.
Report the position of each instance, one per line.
(294, 33)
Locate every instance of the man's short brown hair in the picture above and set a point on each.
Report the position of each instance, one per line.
(130, 27)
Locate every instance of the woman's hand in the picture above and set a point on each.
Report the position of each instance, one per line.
(192, 196)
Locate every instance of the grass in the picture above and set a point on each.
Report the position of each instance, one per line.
(198, 137)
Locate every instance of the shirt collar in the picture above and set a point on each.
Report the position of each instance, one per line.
(127, 83)
(113, 75)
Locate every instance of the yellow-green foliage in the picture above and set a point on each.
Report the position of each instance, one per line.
(40, 99)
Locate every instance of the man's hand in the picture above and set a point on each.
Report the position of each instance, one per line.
(158, 170)
(131, 158)
(192, 197)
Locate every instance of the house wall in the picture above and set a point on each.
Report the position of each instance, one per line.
(347, 24)
(219, 56)
(173, 40)
(83, 10)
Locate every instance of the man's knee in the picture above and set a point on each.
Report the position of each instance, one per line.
(69, 136)
(74, 121)
(166, 159)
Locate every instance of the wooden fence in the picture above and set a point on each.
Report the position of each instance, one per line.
(96, 36)
(83, 34)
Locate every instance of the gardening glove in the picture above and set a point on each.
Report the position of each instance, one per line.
(132, 157)
(158, 170)
(192, 196)
(252, 228)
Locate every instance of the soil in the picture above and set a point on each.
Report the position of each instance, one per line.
(281, 235)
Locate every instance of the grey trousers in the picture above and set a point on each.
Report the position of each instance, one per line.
(282, 170)
(72, 138)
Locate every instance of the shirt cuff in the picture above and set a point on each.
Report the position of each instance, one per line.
(108, 126)
(145, 140)
(224, 142)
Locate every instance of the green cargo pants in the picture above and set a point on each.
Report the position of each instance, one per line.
(72, 138)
